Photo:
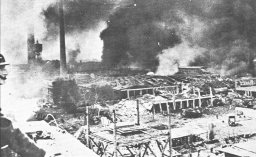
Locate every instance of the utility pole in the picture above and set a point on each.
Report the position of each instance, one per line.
(88, 126)
(170, 123)
(114, 133)
(138, 111)
(63, 64)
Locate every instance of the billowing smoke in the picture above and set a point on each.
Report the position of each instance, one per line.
(231, 37)
(218, 33)
(138, 32)
(18, 17)
(84, 20)
(190, 29)
(135, 34)
(179, 55)
(19, 95)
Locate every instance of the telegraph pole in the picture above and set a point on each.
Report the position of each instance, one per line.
(169, 126)
(114, 133)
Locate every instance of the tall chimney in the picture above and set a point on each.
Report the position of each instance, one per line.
(30, 45)
(31, 39)
(63, 64)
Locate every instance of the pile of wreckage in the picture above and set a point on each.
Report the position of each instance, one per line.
(158, 90)
(152, 95)
(152, 91)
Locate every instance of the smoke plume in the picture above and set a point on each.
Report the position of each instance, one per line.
(137, 32)
(84, 20)
(18, 17)
(135, 35)
(147, 31)
(172, 58)
(231, 39)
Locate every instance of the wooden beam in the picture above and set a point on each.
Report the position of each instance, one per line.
(152, 152)
(138, 112)
(88, 127)
(114, 133)
(148, 88)
(85, 116)
(160, 108)
(146, 147)
(169, 127)
(132, 154)
(154, 112)
(202, 97)
(200, 100)
(174, 105)
(128, 94)
(211, 95)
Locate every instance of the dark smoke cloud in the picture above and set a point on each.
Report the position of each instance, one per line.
(84, 20)
(80, 15)
(232, 39)
(139, 31)
(135, 35)
(225, 28)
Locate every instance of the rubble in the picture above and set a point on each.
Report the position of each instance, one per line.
(101, 93)
(192, 113)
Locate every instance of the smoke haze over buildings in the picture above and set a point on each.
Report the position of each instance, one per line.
(85, 19)
(216, 33)
(157, 35)
(225, 29)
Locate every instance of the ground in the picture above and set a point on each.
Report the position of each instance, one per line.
(218, 116)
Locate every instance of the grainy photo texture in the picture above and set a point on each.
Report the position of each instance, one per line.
(128, 78)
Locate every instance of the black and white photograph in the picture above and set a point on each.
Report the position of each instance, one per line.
(128, 78)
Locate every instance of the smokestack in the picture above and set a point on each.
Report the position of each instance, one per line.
(31, 40)
(30, 45)
(63, 64)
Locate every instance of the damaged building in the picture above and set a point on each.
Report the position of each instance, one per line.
(145, 78)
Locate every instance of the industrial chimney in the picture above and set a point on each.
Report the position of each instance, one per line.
(30, 45)
(63, 64)
(30, 39)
